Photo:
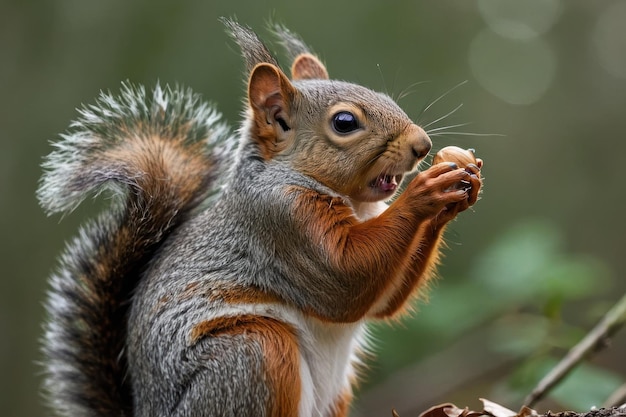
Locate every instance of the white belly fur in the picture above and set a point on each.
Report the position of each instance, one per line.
(328, 354)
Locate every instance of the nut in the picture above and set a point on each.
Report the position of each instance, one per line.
(461, 157)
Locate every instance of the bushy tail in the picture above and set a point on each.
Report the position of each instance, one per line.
(159, 154)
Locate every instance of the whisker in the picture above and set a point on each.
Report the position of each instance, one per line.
(408, 90)
(447, 127)
(444, 116)
(382, 78)
(466, 134)
(442, 96)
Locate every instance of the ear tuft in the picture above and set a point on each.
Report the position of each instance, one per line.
(252, 48)
(308, 67)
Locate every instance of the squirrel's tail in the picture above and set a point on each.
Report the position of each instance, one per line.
(159, 154)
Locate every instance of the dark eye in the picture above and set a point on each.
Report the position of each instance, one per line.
(345, 122)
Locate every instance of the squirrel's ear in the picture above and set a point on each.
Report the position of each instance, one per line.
(308, 67)
(271, 95)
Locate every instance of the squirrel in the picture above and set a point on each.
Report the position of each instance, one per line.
(236, 270)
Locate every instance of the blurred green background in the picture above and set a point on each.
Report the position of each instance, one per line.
(527, 273)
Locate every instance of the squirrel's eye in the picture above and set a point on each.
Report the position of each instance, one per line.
(345, 122)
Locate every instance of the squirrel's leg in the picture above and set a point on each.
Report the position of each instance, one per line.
(425, 249)
(247, 365)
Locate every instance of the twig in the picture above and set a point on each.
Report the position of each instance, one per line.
(595, 340)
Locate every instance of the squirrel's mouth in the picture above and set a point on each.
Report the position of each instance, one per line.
(386, 183)
(380, 188)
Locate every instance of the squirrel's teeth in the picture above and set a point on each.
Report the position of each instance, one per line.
(387, 182)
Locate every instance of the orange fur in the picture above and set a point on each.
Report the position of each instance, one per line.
(418, 271)
(281, 356)
(357, 249)
(173, 162)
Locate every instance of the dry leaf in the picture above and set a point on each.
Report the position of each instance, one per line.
(496, 410)
(489, 409)
(449, 410)
(527, 412)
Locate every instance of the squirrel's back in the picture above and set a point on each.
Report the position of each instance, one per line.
(158, 154)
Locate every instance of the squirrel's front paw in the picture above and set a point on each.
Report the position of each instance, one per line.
(472, 165)
(443, 185)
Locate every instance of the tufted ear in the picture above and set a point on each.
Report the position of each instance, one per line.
(271, 96)
(252, 48)
(308, 67)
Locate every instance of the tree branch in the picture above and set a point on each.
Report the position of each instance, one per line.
(595, 340)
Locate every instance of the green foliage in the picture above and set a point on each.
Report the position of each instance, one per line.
(515, 297)
(529, 262)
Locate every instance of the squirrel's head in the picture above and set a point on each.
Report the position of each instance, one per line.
(351, 139)
(348, 137)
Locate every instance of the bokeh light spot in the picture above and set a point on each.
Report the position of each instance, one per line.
(518, 72)
(516, 19)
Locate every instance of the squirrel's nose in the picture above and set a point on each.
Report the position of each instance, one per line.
(418, 141)
(422, 150)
